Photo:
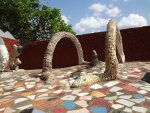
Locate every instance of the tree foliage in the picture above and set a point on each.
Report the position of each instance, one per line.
(28, 20)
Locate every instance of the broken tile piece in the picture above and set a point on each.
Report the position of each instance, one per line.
(142, 92)
(138, 101)
(115, 89)
(25, 107)
(111, 98)
(32, 97)
(2, 109)
(128, 110)
(119, 93)
(69, 105)
(58, 110)
(20, 100)
(98, 109)
(68, 97)
(86, 97)
(97, 94)
(58, 91)
(82, 94)
(42, 90)
(83, 110)
(125, 102)
(9, 110)
(111, 83)
(81, 103)
(139, 109)
(117, 106)
(96, 86)
(125, 96)
(75, 91)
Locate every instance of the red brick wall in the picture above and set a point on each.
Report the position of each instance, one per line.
(136, 44)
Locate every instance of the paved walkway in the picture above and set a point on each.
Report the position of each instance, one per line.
(21, 93)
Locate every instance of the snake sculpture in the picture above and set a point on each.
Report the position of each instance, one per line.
(113, 55)
(113, 49)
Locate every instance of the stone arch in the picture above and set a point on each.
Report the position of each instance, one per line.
(47, 61)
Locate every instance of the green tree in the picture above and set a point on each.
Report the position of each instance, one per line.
(28, 20)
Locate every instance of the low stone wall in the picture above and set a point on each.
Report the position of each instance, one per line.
(136, 43)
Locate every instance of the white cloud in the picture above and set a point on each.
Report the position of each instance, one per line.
(110, 10)
(90, 24)
(97, 8)
(113, 11)
(133, 20)
(66, 19)
(125, 0)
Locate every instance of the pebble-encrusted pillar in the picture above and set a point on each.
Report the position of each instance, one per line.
(47, 61)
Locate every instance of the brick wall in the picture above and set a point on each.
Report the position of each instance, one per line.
(136, 42)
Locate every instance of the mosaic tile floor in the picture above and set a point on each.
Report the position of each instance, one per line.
(21, 92)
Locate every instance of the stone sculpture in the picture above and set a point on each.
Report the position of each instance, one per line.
(113, 55)
(94, 61)
(14, 60)
(47, 74)
(4, 55)
(113, 49)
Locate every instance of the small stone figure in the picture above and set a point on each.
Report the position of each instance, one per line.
(17, 50)
(94, 61)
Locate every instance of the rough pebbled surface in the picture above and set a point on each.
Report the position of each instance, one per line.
(47, 62)
(111, 61)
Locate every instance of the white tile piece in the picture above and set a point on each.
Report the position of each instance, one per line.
(138, 101)
(58, 91)
(119, 93)
(145, 88)
(111, 83)
(68, 97)
(115, 89)
(139, 109)
(86, 97)
(148, 98)
(128, 110)
(75, 91)
(19, 89)
(24, 107)
(20, 100)
(68, 90)
(82, 103)
(96, 86)
(142, 92)
(125, 96)
(117, 106)
(2, 109)
(32, 97)
(6, 93)
(125, 102)
(29, 86)
(42, 90)
(82, 94)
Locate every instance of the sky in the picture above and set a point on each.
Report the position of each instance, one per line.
(88, 16)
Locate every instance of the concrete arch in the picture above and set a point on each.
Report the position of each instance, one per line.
(47, 62)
